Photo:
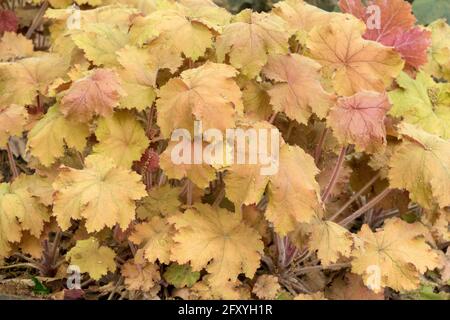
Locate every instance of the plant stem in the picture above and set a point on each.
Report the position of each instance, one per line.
(305, 256)
(20, 265)
(37, 19)
(318, 151)
(24, 257)
(391, 213)
(162, 179)
(268, 261)
(262, 205)
(335, 175)
(150, 122)
(116, 288)
(189, 194)
(273, 117)
(321, 267)
(281, 250)
(287, 285)
(39, 108)
(290, 128)
(369, 205)
(38, 265)
(87, 282)
(291, 252)
(297, 285)
(355, 196)
(80, 158)
(132, 247)
(149, 180)
(55, 247)
(219, 197)
(12, 162)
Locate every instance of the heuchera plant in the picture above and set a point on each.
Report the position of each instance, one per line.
(359, 205)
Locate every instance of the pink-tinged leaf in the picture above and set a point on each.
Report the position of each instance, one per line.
(8, 21)
(412, 45)
(395, 16)
(359, 120)
(354, 7)
(97, 93)
(396, 27)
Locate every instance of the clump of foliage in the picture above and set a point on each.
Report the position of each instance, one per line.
(359, 208)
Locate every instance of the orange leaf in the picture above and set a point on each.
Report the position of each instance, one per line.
(297, 90)
(358, 64)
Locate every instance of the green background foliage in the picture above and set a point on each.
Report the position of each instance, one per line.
(427, 11)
